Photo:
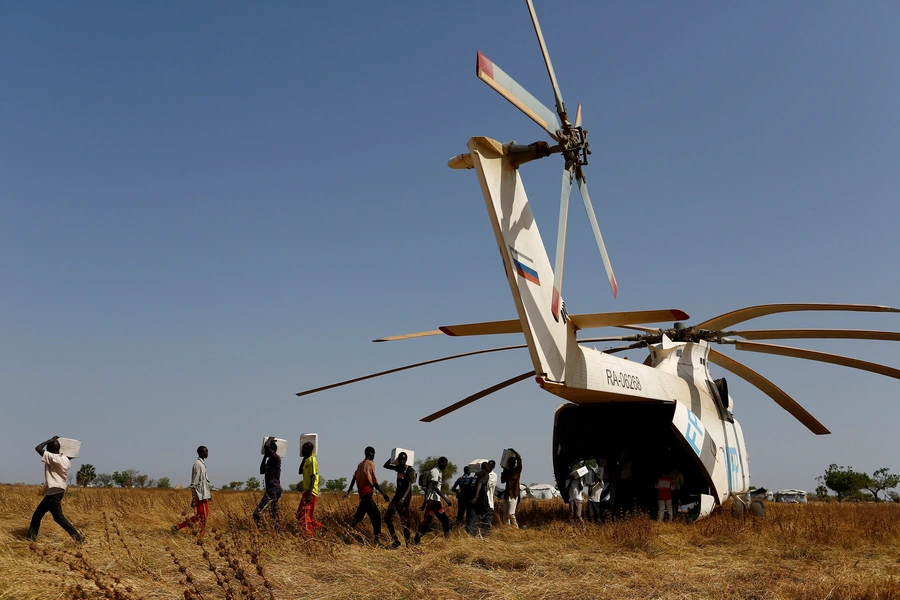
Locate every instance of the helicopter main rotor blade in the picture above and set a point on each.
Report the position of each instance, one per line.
(507, 87)
(622, 319)
(583, 321)
(578, 116)
(488, 328)
(560, 105)
(650, 330)
(768, 388)
(404, 368)
(586, 198)
(624, 348)
(476, 396)
(566, 190)
(612, 338)
(843, 334)
(834, 359)
(752, 312)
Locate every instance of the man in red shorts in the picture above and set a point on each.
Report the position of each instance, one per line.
(433, 497)
(200, 493)
(367, 483)
(309, 468)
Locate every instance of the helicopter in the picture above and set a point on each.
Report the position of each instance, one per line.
(666, 413)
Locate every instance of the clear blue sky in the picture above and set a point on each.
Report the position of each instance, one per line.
(208, 207)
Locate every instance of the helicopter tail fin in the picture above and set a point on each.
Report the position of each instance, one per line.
(527, 266)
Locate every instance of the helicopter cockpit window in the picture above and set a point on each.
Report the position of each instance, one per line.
(720, 393)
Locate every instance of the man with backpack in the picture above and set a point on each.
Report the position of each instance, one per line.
(465, 493)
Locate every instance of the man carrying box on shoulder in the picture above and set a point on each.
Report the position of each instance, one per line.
(56, 469)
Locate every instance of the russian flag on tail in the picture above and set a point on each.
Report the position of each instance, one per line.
(523, 268)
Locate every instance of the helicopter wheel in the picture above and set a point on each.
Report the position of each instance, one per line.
(758, 509)
(737, 509)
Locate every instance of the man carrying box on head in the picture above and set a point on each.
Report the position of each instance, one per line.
(200, 493)
(270, 467)
(406, 476)
(309, 468)
(56, 469)
(510, 474)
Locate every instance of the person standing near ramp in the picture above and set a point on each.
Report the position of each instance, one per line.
(510, 475)
(365, 480)
(664, 485)
(56, 469)
(200, 493)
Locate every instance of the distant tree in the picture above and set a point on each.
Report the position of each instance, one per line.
(235, 485)
(105, 479)
(389, 487)
(335, 485)
(893, 496)
(252, 484)
(142, 481)
(133, 474)
(294, 487)
(86, 475)
(163, 483)
(881, 481)
(844, 481)
(123, 479)
(430, 462)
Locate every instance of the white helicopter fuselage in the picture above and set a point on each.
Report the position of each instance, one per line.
(673, 390)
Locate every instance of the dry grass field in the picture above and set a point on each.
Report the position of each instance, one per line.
(815, 551)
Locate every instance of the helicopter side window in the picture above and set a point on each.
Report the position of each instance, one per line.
(721, 396)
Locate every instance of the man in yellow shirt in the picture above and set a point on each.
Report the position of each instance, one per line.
(309, 468)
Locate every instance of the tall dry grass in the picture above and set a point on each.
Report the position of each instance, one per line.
(835, 551)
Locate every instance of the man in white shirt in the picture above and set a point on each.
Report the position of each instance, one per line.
(56, 468)
(492, 484)
(201, 493)
(575, 489)
(433, 495)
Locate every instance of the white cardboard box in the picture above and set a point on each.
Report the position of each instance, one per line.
(410, 456)
(69, 447)
(280, 447)
(582, 471)
(475, 465)
(310, 437)
(507, 454)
